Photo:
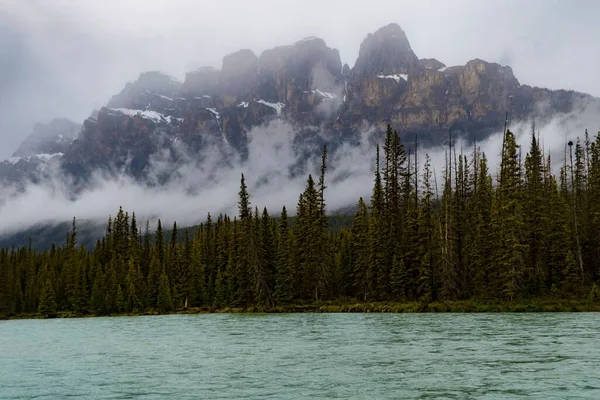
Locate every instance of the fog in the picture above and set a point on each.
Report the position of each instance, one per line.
(211, 187)
(63, 58)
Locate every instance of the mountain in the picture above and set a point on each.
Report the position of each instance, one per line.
(44, 147)
(305, 84)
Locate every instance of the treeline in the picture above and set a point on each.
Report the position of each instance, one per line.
(524, 234)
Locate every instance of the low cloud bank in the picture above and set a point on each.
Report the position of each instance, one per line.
(212, 186)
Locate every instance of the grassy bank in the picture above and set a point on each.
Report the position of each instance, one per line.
(469, 306)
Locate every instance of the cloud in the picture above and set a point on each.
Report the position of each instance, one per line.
(199, 188)
(63, 58)
(276, 170)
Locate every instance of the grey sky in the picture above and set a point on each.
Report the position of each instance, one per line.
(65, 57)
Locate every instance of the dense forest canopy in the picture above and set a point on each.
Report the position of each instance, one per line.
(522, 234)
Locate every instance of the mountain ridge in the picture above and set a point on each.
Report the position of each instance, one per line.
(306, 84)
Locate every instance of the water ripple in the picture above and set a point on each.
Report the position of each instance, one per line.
(297, 356)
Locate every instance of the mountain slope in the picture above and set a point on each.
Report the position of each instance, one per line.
(42, 149)
(307, 85)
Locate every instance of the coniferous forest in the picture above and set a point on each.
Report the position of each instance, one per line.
(523, 235)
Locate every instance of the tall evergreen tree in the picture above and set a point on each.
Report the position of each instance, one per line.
(164, 301)
(284, 275)
(48, 304)
(508, 223)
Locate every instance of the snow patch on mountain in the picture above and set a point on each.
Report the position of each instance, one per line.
(326, 95)
(276, 106)
(395, 77)
(43, 157)
(218, 117)
(215, 112)
(148, 114)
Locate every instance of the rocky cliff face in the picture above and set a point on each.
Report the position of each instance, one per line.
(42, 149)
(306, 84)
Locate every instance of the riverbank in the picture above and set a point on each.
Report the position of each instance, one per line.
(468, 306)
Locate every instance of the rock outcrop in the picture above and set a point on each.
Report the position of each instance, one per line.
(385, 52)
(306, 84)
(40, 151)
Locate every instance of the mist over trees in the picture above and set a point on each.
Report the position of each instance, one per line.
(523, 234)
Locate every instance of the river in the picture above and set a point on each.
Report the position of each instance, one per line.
(299, 356)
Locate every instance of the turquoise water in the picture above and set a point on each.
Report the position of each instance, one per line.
(297, 356)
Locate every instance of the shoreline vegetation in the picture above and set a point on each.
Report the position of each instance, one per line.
(527, 240)
(465, 307)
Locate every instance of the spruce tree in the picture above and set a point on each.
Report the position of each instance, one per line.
(571, 286)
(160, 245)
(98, 296)
(153, 278)
(182, 273)
(134, 282)
(120, 301)
(480, 255)
(508, 223)
(48, 304)
(534, 208)
(164, 301)
(361, 252)
(426, 252)
(378, 272)
(284, 275)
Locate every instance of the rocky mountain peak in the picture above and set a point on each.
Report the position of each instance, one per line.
(156, 81)
(203, 81)
(385, 52)
(493, 71)
(150, 87)
(431, 63)
(304, 83)
(304, 66)
(53, 137)
(39, 152)
(239, 75)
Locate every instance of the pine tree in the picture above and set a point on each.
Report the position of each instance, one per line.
(154, 278)
(145, 257)
(268, 254)
(508, 223)
(221, 297)
(480, 255)
(134, 282)
(378, 272)
(172, 257)
(534, 208)
(448, 269)
(48, 304)
(112, 298)
(361, 251)
(183, 275)
(572, 277)
(164, 300)
(285, 275)
(160, 245)
(98, 297)
(31, 298)
(427, 287)
(398, 279)
(244, 201)
(120, 301)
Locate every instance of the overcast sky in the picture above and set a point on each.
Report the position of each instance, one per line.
(63, 58)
